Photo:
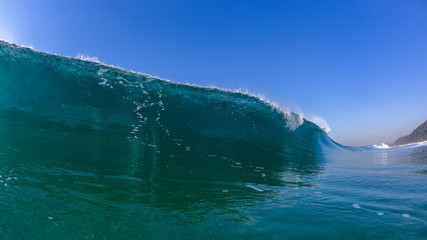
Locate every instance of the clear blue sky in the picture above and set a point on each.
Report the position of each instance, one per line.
(360, 65)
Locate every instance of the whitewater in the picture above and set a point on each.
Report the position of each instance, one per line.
(91, 151)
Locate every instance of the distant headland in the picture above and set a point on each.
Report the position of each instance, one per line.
(418, 135)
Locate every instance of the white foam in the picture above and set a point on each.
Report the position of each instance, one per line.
(405, 215)
(380, 213)
(319, 121)
(293, 120)
(101, 71)
(255, 188)
(87, 58)
(381, 146)
(355, 205)
(28, 46)
(104, 82)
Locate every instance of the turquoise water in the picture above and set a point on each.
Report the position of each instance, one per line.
(89, 151)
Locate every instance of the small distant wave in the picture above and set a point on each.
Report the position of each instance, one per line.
(411, 145)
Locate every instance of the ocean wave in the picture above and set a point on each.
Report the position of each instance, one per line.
(147, 110)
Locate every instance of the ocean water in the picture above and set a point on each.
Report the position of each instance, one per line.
(89, 151)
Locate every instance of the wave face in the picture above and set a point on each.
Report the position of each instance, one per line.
(94, 151)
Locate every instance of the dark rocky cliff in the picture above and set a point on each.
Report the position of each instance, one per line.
(418, 135)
